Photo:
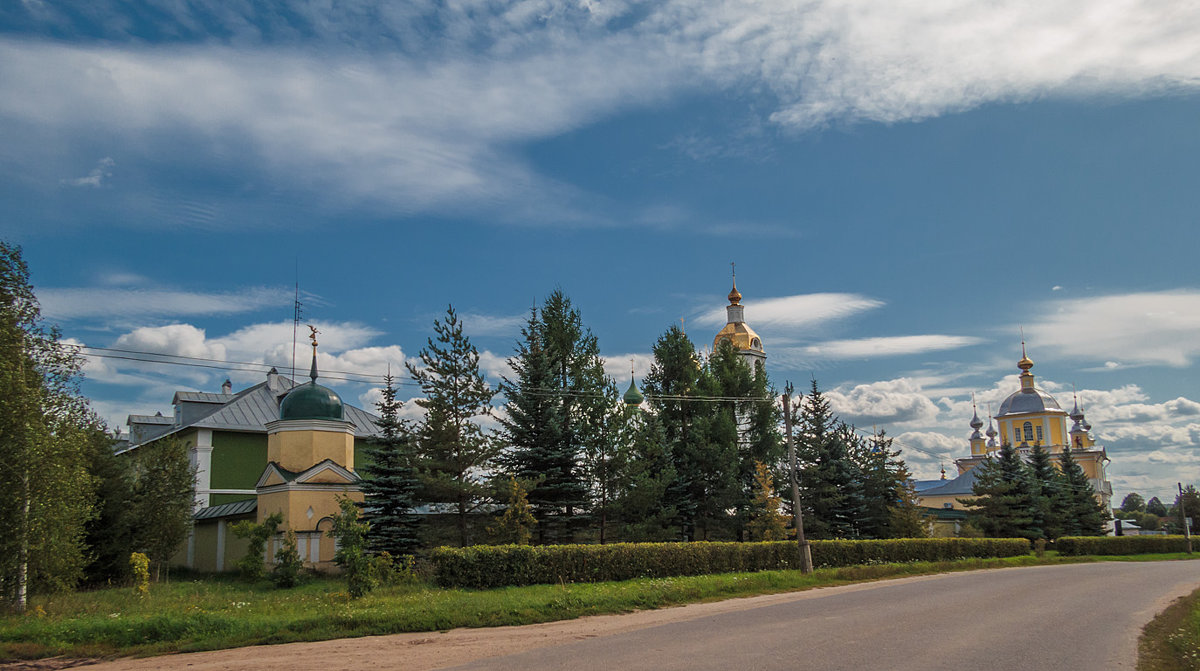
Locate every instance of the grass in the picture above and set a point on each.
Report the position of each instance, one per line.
(219, 612)
(1171, 642)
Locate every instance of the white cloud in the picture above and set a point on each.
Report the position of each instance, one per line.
(426, 116)
(617, 367)
(494, 366)
(1161, 328)
(492, 325)
(96, 176)
(77, 303)
(803, 311)
(866, 348)
(888, 402)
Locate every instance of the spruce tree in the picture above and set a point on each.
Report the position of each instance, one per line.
(702, 436)
(890, 509)
(756, 419)
(1045, 482)
(1083, 515)
(390, 482)
(452, 449)
(645, 503)
(830, 481)
(1004, 501)
(532, 429)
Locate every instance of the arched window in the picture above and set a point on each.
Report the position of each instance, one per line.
(1039, 434)
(1028, 432)
(754, 342)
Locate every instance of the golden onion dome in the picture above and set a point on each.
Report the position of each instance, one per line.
(735, 296)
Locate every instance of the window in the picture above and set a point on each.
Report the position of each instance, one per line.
(1028, 432)
(755, 343)
(947, 505)
(1039, 434)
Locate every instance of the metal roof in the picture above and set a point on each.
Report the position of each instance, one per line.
(963, 485)
(149, 419)
(250, 409)
(1029, 400)
(227, 510)
(200, 397)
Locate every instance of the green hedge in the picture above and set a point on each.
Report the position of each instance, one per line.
(1119, 545)
(486, 566)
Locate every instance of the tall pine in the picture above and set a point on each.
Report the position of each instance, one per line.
(452, 448)
(830, 481)
(389, 481)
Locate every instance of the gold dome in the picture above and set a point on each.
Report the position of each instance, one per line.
(740, 335)
(735, 296)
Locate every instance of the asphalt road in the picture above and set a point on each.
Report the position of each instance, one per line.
(1080, 616)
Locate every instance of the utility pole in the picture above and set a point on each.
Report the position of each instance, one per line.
(801, 543)
(1187, 533)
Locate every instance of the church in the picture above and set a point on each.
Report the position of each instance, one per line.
(1029, 416)
(276, 447)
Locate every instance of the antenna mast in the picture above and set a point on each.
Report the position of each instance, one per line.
(295, 322)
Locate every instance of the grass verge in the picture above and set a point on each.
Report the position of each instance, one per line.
(220, 612)
(1171, 642)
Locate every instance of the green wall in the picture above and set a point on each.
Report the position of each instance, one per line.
(238, 461)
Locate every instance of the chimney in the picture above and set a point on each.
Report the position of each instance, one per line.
(227, 387)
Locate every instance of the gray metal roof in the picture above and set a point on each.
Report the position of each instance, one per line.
(227, 510)
(963, 485)
(1028, 400)
(201, 397)
(250, 409)
(149, 419)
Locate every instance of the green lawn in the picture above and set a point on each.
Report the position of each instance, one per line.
(219, 612)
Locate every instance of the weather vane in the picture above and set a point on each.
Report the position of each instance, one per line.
(313, 336)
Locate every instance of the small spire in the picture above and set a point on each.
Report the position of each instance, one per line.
(313, 336)
(943, 470)
(976, 423)
(735, 296)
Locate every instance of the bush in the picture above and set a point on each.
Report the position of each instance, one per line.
(287, 562)
(1119, 545)
(140, 564)
(481, 567)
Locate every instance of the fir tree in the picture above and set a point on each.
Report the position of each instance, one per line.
(889, 504)
(644, 505)
(756, 419)
(830, 482)
(1047, 489)
(389, 481)
(1004, 502)
(452, 448)
(702, 437)
(532, 429)
(1083, 515)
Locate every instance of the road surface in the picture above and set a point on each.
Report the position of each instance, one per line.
(1076, 616)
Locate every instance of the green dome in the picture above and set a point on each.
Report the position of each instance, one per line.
(311, 401)
(632, 395)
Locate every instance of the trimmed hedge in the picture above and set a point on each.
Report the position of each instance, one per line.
(487, 566)
(1119, 545)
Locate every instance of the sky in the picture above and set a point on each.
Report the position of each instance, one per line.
(907, 190)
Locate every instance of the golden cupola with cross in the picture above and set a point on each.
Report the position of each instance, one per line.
(738, 333)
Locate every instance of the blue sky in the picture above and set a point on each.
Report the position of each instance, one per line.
(903, 189)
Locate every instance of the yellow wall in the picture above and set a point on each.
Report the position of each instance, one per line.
(294, 505)
(300, 450)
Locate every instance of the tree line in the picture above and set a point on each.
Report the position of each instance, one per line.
(569, 461)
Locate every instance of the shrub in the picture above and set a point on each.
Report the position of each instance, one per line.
(496, 566)
(252, 565)
(140, 564)
(287, 562)
(1119, 545)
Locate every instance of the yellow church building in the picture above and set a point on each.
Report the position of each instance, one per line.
(1029, 416)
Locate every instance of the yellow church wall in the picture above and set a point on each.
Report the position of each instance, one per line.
(204, 549)
(941, 501)
(294, 505)
(299, 450)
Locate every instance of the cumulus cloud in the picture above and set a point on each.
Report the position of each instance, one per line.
(888, 402)
(1159, 328)
(492, 325)
(132, 303)
(617, 366)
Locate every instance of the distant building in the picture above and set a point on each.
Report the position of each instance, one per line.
(274, 447)
(739, 334)
(1028, 417)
